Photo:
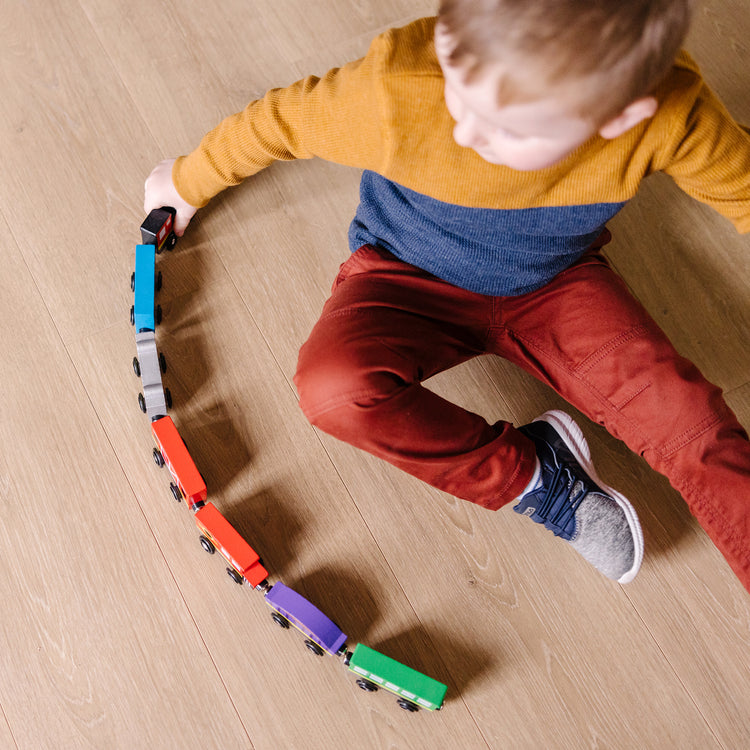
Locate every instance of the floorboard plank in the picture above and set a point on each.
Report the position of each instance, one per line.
(122, 632)
(99, 648)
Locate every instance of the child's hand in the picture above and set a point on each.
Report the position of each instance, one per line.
(160, 191)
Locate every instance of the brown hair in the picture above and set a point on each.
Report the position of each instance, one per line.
(620, 49)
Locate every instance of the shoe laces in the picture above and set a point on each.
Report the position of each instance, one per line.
(561, 500)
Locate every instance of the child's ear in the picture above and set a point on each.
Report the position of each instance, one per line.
(635, 112)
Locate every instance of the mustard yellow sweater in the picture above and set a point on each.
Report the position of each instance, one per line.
(440, 206)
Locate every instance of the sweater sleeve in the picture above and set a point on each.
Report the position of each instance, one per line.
(334, 117)
(709, 156)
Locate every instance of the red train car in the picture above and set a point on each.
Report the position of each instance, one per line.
(218, 534)
(171, 450)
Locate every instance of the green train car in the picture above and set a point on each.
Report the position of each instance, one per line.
(414, 689)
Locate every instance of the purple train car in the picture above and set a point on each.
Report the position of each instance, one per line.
(291, 608)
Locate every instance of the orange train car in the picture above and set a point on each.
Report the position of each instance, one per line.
(171, 450)
(218, 534)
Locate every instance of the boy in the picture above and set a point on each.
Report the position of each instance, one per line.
(496, 143)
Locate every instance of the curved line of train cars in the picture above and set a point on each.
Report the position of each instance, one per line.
(373, 670)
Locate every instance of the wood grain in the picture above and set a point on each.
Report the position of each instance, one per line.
(118, 630)
(97, 640)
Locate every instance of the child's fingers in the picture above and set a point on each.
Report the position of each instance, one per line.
(181, 220)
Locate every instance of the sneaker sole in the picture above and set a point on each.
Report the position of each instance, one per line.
(572, 436)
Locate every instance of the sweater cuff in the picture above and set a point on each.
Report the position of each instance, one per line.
(186, 179)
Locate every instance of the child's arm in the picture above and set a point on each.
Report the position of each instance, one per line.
(336, 117)
(339, 117)
(313, 117)
(708, 155)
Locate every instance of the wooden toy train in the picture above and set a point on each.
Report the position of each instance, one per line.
(373, 670)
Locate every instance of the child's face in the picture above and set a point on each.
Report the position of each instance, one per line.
(524, 135)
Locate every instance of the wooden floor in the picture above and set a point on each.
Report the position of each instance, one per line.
(118, 631)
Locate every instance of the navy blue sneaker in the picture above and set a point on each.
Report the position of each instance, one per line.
(572, 502)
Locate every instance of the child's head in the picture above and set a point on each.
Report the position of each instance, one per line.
(528, 81)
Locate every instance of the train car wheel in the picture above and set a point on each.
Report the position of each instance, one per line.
(175, 492)
(157, 315)
(132, 281)
(207, 544)
(171, 241)
(168, 398)
(136, 367)
(407, 705)
(159, 279)
(370, 687)
(158, 458)
(162, 362)
(132, 315)
(317, 650)
(235, 576)
(142, 402)
(280, 620)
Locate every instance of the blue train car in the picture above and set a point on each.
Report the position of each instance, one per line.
(145, 314)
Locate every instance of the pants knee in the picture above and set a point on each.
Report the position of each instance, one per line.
(338, 379)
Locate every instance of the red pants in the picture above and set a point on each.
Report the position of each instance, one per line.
(388, 326)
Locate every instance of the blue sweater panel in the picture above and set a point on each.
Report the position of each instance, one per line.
(499, 252)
